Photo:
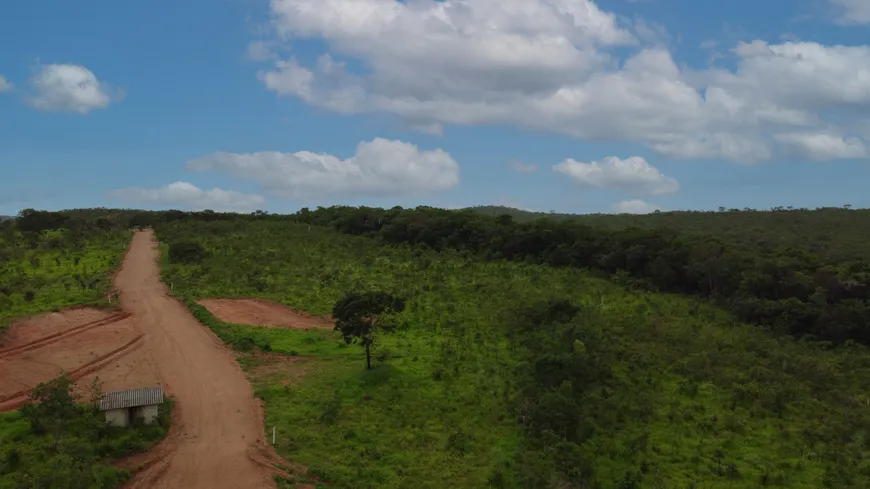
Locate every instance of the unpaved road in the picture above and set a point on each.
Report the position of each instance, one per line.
(217, 433)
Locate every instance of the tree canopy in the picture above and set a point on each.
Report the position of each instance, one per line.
(358, 315)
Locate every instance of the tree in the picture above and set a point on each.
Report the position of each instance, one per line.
(53, 406)
(186, 252)
(358, 315)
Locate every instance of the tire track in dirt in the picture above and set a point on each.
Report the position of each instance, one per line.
(17, 399)
(217, 425)
(54, 338)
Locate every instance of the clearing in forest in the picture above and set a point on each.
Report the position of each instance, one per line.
(259, 312)
(84, 342)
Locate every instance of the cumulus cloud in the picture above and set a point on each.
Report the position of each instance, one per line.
(520, 167)
(634, 206)
(380, 168)
(852, 11)
(189, 196)
(632, 175)
(5, 85)
(550, 65)
(822, 146)
(69, 88)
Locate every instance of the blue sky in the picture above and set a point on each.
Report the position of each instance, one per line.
(566, 105)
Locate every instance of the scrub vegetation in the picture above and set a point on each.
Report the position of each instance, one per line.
(519, 369)
(51, 260)
(663, 351)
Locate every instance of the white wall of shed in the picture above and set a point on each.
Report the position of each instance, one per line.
(148, 413)
(118, 417)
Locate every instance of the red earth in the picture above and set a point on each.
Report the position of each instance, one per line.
(264, 313)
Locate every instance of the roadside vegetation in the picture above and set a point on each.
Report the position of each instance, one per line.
(60, 442)
(511, 365)
(49, 261)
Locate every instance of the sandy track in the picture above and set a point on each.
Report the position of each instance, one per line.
(217, 438)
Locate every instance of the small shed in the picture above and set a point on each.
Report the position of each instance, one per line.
(124, 407)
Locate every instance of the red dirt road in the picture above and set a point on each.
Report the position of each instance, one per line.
(217, 438)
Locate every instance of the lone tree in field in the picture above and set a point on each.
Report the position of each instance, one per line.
(359, 314)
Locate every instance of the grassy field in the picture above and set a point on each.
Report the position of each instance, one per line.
(50, 271)
(633, 390)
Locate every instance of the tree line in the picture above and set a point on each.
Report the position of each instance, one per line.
(785, 288)
(819, 296)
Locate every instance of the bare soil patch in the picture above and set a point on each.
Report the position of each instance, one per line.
(83, 342)
(259, 312)
(48, 324)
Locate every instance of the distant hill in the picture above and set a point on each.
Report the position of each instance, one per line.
(829, 231)
(5, 218)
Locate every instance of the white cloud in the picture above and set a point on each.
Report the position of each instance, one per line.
(380, 168)
(191, 197)
(520, 167)
(549, 65)
(260, 51)
(632, 175)
(69, 88)
(853, 11)
(822, 146)
(5, 85)
(634, 207)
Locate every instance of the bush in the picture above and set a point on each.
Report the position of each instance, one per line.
(186, 252)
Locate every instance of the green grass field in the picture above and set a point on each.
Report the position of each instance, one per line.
(682, 396)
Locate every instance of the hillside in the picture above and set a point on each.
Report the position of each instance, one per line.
(518, 375)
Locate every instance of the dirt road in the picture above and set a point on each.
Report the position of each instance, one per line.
(217, 433)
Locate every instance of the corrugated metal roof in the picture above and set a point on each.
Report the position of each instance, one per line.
(144, 396)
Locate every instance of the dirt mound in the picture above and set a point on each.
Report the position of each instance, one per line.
(264, 313)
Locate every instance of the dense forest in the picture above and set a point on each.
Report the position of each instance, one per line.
(837, 232)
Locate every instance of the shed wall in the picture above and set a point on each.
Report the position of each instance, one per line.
(118, 417)
(148, 413)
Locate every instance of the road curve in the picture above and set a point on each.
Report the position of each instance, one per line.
(217, 430)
